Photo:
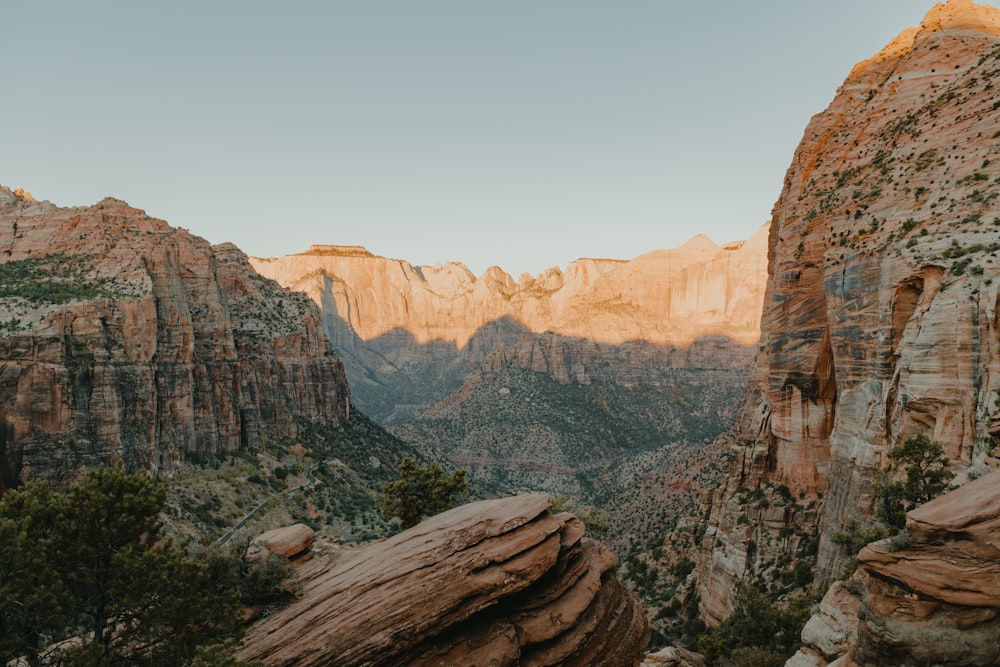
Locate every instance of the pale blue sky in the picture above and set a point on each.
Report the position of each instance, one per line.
(521, 133)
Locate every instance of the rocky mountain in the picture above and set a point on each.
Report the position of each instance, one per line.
(125, 339)
(881, 314)
(409, 335)
(498, 582)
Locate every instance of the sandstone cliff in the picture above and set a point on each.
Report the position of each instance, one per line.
(409, 335)
(499, 582)
(122, 338)
(880, 319)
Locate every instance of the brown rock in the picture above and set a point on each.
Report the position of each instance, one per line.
(499, 582)
(673, 656)
(937, 600)
(880, 317)
(287, 542)
(159, 344)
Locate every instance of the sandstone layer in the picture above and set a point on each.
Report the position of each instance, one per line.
(124, 339)
(935, 599)
(880, 318)
(498, 582)
(409, 334)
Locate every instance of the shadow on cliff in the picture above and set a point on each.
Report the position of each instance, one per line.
(393, 378)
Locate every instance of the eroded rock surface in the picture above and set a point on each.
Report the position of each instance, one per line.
(881, 318)
(936, 600)
(125, 339)
(497, 582)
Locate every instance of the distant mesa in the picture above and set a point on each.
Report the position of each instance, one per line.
(338, 250)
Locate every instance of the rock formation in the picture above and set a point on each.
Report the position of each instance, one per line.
(881, 314)
(409, 335)
(934, 598)
(498, 582)
(122, 338)
(929, 596)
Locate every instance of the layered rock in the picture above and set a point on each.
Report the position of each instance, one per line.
(880, 319)
(499, 582)
(122, 338)
(934, 598)
(410, 334)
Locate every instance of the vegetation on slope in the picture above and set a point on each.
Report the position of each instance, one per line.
(89, 578)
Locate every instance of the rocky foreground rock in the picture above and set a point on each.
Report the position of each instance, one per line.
(929, 597)
(497, 582)
(934, 599)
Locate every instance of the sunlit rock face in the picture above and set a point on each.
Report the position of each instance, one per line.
(498, 582)
(880, 317)
(410, 334)
(125, 339)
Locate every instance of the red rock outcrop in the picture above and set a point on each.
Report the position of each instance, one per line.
(882, 317)
(122, 338)
(409, 335)
(498, 582)
(935, 598)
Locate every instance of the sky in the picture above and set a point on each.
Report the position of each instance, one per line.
(518, 133)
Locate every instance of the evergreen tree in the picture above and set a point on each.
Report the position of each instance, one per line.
(925, 467)
(420, 492)
(93, 564)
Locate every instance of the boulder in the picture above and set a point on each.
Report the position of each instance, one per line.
(673, 656)
(287, 542)
(497, 582)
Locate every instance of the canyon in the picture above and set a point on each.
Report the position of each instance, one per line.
(578, 382)
(874, 293)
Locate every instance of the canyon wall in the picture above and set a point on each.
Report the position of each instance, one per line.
(410, 334)
(124, 339)
(880, 319)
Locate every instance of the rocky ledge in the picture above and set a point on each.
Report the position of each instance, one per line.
(935, 598)
(497, 582)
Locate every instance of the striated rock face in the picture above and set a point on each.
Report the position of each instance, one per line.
(936, 600)
(881, 314)
(498, 582)
(122, 338)
(409, 335)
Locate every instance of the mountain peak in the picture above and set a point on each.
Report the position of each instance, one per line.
(962, 15)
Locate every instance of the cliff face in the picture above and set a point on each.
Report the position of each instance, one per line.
(122, 338)
(409, 335)
(880, 319)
